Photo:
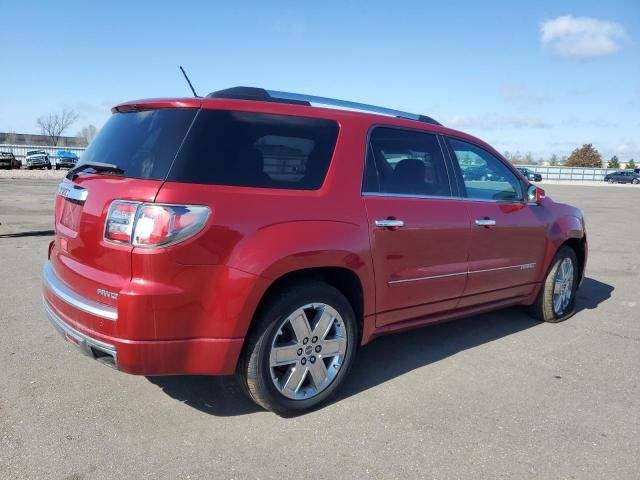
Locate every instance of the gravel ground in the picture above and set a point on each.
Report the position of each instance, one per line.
(32, 174)
(495, 396)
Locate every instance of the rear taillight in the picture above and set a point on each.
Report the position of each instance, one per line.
(120, 221)
(152, 225)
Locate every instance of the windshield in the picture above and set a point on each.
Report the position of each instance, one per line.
(141, 144)
(36, 152)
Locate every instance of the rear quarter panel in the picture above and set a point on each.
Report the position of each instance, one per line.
(268, 233)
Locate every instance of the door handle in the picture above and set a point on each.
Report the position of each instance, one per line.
(391, 223)
(485, 222)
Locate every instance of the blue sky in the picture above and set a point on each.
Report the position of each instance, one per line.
(541, 76)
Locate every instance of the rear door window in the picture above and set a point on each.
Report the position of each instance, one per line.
(256, 150)
(405, 162)
(142, 143)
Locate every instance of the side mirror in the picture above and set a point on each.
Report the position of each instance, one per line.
(535, 195)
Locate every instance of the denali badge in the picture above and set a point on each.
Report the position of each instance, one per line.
(105, 293)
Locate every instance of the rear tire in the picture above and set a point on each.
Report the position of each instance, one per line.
(48, 167)
(57, 167)
(635, 181)
(300, 350)
(556, 299)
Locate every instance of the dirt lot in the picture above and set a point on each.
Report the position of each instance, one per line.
(492, 396)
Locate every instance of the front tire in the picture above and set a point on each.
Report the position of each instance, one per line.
(556, 299)
(301, 348)
(611, 180)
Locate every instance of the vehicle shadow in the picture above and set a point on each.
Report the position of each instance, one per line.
(592, 293)
(383, 359)
(32, 233)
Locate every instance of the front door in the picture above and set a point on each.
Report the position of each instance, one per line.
(419, 234)
(508, 236)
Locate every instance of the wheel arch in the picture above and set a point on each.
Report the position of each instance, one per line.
(345, 280)
(579, 246)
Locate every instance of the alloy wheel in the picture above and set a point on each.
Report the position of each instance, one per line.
(563, 286)
(308, 351)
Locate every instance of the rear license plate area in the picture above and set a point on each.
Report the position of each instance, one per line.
(71, 213)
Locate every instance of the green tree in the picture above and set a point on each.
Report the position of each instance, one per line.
(553, 161)
(585, 156)
(631, 164)
(613, 162)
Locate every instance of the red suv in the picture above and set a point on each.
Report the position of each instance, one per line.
(253, 232)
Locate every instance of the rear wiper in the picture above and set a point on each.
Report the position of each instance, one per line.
(97, 166)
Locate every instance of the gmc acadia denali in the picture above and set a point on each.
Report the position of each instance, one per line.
(255, 232)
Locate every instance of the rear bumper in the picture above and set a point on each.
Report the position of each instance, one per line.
(199, 356)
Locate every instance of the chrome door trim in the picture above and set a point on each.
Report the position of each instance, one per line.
(523, 266)
(73, 192)
(440, 197)
(485, 222)
(389, 223)
(417, 279)
(64, 293)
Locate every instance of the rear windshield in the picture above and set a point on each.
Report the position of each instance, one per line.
(256, 150)
(142, 144)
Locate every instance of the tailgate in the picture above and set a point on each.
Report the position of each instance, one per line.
(139, 146)
(81, 257)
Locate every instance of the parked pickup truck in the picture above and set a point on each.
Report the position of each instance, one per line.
(37, 159)
(8, 161)
(66, 159)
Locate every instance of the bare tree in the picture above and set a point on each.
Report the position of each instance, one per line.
(11, 137)
(88, 133)
(54, 124)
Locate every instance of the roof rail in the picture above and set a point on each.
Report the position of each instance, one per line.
(252, 93)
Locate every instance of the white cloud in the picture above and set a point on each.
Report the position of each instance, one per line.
(521, 93)
(628, 148)
(581, 37)
(580, 122)
(493, 122)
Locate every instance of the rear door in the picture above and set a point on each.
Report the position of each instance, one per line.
(142, 145)
(419, 233)
(508, 235)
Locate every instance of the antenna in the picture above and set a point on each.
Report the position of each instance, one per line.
(189, 82)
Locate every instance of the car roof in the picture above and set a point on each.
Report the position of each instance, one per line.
(340, 115)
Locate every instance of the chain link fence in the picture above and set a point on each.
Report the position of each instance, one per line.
(577, 174)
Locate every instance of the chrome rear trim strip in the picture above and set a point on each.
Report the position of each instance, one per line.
(64, 293)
